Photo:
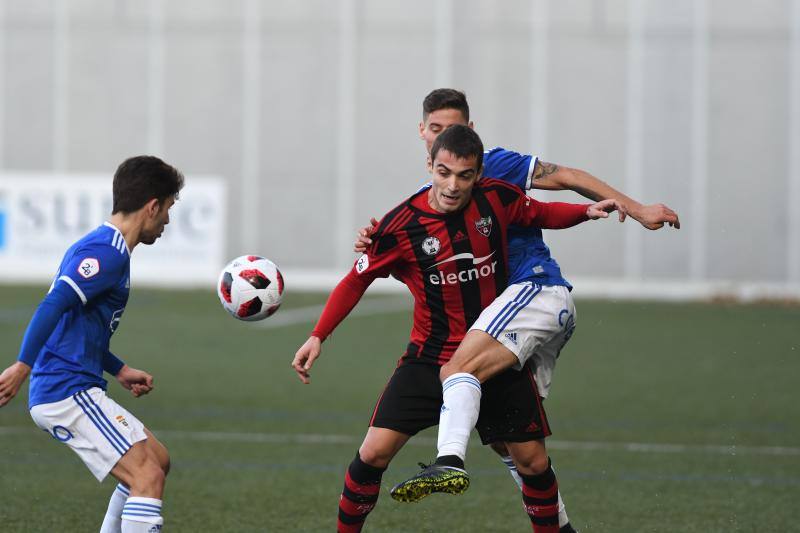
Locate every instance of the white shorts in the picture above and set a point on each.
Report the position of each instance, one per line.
(534, 322)
(98, 429)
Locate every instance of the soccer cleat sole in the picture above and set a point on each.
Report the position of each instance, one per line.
(414, 492)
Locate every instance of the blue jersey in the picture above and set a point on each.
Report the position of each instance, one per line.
(528, 256)
(97, 268)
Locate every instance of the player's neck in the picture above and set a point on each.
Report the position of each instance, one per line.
(130, 227)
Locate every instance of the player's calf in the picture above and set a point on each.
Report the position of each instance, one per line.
(362, 485)
(539, 486)
(540, 497)
(142, 469)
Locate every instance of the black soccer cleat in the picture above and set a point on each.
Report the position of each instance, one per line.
(567, 528)
(432, 478)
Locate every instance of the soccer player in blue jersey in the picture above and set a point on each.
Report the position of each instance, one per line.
(532, 320)
(65, 350)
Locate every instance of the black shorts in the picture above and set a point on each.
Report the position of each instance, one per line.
(511, 409)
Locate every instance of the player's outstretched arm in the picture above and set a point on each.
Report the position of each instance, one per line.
(305, 357)
(341, 301)
(363, 236)
(549, 176)
(11, 380)
(137, 381)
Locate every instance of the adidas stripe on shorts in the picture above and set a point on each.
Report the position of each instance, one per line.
(534, 322)
(98, 429)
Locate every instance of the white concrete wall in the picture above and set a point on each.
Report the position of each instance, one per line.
(687, 102)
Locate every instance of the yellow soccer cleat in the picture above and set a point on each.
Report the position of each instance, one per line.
(432, 478)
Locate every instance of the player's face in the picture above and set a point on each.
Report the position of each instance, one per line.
(453, 179)
(157, 218)
(437, 122)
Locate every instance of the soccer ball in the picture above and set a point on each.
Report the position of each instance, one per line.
(250, 288)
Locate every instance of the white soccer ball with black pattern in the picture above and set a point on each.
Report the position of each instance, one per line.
(250, 288)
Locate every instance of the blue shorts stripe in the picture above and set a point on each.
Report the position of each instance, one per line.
(516, 311)
(494, 328)
(502, 311)
(515, 303)
(100, 428)
(110, 425)
(103, 419)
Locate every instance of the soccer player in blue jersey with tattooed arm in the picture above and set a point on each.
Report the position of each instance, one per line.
(66, 350)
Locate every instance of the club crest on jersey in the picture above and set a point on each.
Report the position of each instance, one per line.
(484, 226)
(89, 267)
(431, 246)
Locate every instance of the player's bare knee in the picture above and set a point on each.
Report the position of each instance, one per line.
(161, 456)
(374, 456)
(532, 464)
(147, 478)
(157, 451)
(164, 462)
(447, 370)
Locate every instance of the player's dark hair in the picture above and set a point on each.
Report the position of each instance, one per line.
(445, 99)
(461, 141)
(140, 179)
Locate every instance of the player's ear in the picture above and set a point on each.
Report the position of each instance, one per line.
(152, 207)
(422, 130)
(471, 125)
(429, 164)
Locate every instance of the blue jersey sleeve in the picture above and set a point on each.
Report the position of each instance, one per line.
(112, 364)
(92, 270)
(44, 321)
(509, 166)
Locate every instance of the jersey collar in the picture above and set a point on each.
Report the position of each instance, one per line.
(112, 226)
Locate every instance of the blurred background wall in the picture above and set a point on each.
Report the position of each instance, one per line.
(306, 112)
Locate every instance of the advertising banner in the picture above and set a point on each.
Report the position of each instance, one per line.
(42, 215)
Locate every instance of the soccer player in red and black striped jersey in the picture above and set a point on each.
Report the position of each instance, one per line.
(447, 243)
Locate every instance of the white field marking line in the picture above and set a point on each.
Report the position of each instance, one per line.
(319, 438)
(304, 315)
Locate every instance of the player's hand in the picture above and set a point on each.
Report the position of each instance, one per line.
(11, 380)
(137, 381)
(305, 357)
(603, 208)
(655, 216)
(362, 239)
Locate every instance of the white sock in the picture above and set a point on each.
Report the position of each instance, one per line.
(512, 469)
(563, 519)
(141, 515)
(112, 523)
(461, 403)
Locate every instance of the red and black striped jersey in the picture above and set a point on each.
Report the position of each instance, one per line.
(454, 264)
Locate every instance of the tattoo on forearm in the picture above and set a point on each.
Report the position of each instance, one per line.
(544, 169)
